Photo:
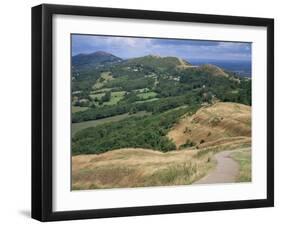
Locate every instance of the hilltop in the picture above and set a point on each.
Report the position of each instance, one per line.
(93, 60)
(162, 63)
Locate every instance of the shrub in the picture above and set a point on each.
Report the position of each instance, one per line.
(187, 144)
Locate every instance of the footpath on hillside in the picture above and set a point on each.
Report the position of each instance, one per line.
(225, 171)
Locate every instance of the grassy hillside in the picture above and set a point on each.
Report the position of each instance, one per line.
(213, 125)
(152, 121)
(244, 158)
(92, 60)
(136, 167)
(212, 69)
(218, 123)
(137, 132)
(157, 62)
(156, 85)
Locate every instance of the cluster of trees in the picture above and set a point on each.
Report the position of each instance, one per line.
(137, 132)
(83, 80)
(130, 83)
(106, 97)
(194, 87)
(227, 89)
(168, 88)
(188, 88)
(156, 106)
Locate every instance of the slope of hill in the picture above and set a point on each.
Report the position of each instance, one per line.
(137, 167)
(212, 69)
(212, 125)
(157, 62)
(224, 126)
(92, 60)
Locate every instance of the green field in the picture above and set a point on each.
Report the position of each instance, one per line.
(147, 95)
(148, 100)
(115, 97)
(104, 78)
(83, 125)
(142, 90)
(244, 157)
(103, 90)
(75, 109)
(97, 95)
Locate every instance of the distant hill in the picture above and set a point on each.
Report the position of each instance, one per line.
(140, 80)
(162, 63)
(93, 60)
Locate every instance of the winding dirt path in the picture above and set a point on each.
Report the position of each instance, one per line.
(225, 172)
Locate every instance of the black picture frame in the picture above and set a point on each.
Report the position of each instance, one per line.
(42, 111)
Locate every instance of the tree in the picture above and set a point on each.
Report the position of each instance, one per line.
(133, 110)
(106, 97)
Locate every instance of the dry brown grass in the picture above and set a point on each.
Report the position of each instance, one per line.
(213, 69)
(222, 126)
(138, 167)
(212, 125)
(132, 167)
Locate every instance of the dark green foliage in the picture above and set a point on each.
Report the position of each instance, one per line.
(155, 63)
(136, 132)
(187, 144)
(245, 92)
(106, 97)
(227, 89)
(101, 112)
(157, 106)
(174, 87)
(83, 81)
(130, 83)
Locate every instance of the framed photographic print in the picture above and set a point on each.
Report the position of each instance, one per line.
(146, 112)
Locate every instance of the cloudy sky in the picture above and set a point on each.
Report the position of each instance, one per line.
(127, 47)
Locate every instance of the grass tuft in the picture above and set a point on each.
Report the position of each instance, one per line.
(244, 160)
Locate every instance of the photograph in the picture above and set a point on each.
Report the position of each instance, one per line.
(150, 111)
(146, 112)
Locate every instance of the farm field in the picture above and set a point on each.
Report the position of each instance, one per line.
(147, 95)
(83, 125)
(75, 109)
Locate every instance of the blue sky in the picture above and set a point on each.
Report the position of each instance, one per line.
(128, 47)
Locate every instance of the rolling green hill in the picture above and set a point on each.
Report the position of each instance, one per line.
(157, 62)
(104, 86)
(92, 60)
